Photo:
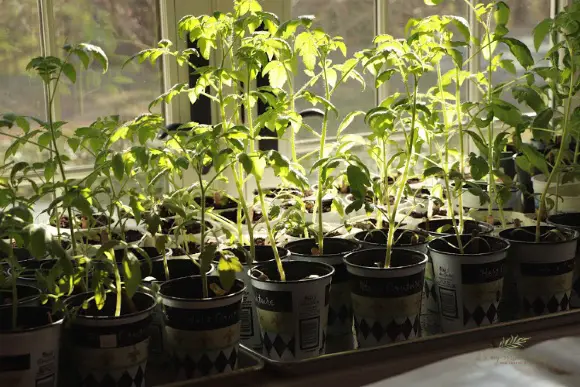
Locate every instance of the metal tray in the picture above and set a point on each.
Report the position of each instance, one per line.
(248, 365)
(423, 351)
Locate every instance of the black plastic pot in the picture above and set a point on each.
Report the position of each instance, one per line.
(408, 239)
(152, 254)
(469, 283)
(292, 313)
(106, 350)
(30, 354)
(250, 327)
(386, 301)
(27, 296)
(339, 328)
(228, 210)
(570, 220)
(441, 227)
(202, 333)
(540, 273)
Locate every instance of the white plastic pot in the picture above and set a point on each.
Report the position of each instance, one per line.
(566, 197)
(539, 184)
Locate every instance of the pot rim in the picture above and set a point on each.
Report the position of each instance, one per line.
(261, 247)
(421, 233)
(575, 213)
(204, 300)
(489, 227)
(382, 268)
(503, 249)
(60, 319)
(111, 318)
(326, 266)
(333, 239)
(575, 236)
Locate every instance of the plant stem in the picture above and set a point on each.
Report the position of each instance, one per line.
(13, 264)
(322, 145)
(403, 182)
(565, 132)
(490, 155)
(263, 206)
(204, 285)
(461, 145)
(56, 151)
(270, 233)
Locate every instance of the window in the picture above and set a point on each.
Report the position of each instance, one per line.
(121, 28)
(355, 21)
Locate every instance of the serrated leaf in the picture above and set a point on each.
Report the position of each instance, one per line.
(276, 74)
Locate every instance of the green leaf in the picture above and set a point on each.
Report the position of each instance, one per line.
(70, 72)
(132, 274)
(306, 46)
(348, 120)
(506, 112)
(98, 54)
(358, 181)
(276, 74)
(433, 171)
(501, 13)
(433, 2)
(540, 31)
(479, 166)
(462, 26)
(118, 166)
(207, 257)
(508, 65)
(543, 118)
(535, 158)
(38, 238)
(384, 77)
(49, 169)
(520, 51)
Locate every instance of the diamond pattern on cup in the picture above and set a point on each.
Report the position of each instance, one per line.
(189, 366)
(370, 332)
(539, 305)
(480, 315)
(279, 346)
(134, 377)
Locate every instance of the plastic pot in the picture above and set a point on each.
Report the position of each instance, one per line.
(30, 354)
(202, 333)
(469, 283)
(442, 227)
(339, 326)
(541, 272)
(386, 301)
(27, 296)
(412, 240)
(250, 334)
(572, 221)
(292, 313)
(178, 267)
(105, 349)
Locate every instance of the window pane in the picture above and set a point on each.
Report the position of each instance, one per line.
(399, 13)
(354, 21)
(121, 28)
(21, 92)
(524, 16)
